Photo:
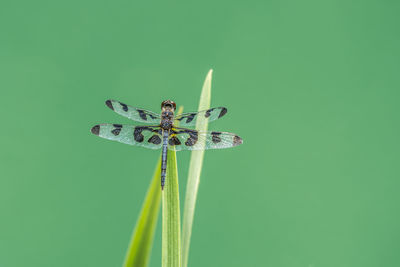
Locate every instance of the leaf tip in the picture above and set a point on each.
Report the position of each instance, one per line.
(209, 74)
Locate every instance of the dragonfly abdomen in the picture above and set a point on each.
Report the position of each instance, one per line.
(164, 158)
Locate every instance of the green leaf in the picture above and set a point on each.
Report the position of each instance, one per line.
(196, 162)
(171, 227)
(139, 250)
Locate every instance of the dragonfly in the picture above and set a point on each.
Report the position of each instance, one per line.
(162, 131)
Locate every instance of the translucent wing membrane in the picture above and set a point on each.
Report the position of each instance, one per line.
(133, 113)
(187, 139)
(146, 136)
(189, 119)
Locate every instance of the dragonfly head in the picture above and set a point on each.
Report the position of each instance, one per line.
(168, 104)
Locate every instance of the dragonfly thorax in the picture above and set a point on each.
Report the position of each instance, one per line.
(166, 124)
(167, 114)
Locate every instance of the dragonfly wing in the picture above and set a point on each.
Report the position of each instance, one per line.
(136, 114)
(187, 139)
(145, 136)
(189, 119)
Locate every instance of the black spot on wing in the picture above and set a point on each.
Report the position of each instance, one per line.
(215, 137)
(190, 117)
(124, 107)
(155, 139)
(208, 112)
(192, 140)
(174, 141)
(95, 130)
(117, 129)
(223, 112)
(237, 140)
(109, 104)
(189, 142)
(137, 134)
(193, 135)
(142, 114)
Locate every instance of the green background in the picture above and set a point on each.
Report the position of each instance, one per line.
(311, 86)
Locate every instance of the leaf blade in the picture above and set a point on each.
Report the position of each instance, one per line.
(139, 250)
(171, 228)
(171, 245)
(196, 162)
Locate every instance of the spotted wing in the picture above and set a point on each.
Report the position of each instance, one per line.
(187, 139)
(146, 136)
(189, 119)
(136, 114)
